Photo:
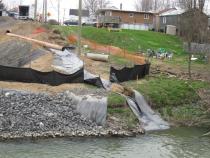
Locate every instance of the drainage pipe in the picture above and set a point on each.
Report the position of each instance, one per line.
(46, 44)
(98, 57)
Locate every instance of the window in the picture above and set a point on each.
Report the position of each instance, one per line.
(146, 16)
(108, 13)
(209, 22)
(131, 15)
(164, 20)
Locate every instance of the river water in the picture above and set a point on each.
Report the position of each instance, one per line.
(173, 143)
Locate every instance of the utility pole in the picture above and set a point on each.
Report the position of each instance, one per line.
(35, 10)
(80, 27)
(59, 11)
(45, 11)
(64, 14)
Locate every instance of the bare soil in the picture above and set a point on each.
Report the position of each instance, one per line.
(42, 64)
(100, 48)
(40, 88)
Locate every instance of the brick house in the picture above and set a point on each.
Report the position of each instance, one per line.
(125, 19)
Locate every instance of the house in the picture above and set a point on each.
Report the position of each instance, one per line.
(174, 18)
(125, 19)
(157, 18)
(170, 18)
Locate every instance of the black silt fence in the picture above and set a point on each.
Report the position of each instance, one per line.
(127, 74)
(95, 81)
(32, 76)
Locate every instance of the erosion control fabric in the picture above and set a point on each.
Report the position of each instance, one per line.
(90, 106)
(93, 79)
(150, 120)
(32, 76)
(127, 74)
(68, 68)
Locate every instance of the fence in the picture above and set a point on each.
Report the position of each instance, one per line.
(32, 76)
(197, 48)
(127, 74)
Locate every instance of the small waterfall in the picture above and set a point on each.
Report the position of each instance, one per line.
(150, 120)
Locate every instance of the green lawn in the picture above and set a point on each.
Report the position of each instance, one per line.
(135, 41)
(131, 40)
(164, 92)
(177, 100)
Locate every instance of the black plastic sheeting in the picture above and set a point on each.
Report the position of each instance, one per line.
(127, 74)
(95, 81)
(32, 76)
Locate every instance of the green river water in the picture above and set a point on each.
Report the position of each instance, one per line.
(174, 143)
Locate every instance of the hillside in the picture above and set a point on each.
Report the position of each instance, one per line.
(132, 40)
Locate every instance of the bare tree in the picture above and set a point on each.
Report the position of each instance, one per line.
(193, 25)
(148, 5)
(1, 5)
(103, 3)
(187, 4)
(94, 5)
(91, 5)
(138, 5)
(144, 5)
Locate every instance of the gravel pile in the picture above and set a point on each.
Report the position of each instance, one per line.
(29, 115)
(87, 91)
(24, 114)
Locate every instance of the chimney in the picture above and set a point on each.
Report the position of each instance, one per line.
(121, 5)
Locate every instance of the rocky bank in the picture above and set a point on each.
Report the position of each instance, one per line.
(24, 114)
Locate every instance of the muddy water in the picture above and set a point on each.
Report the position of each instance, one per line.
(174, 143)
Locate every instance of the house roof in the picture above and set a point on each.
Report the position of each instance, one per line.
(173, 12)
(126, 11)
(165, 10)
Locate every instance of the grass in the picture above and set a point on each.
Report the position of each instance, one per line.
(126, 116)
(162, 91)
(135, 41)
(119, 61)
(117, 108)
(185, 115)
(115, 100)
(132, 40)
(176, 100)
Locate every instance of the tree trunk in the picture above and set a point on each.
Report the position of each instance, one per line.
(189, 62)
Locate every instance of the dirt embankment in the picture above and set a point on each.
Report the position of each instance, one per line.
(138, 59)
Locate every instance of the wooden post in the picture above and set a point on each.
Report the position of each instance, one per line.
(59, 12)
(45, 16)
(35, 10)
(80, 27)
